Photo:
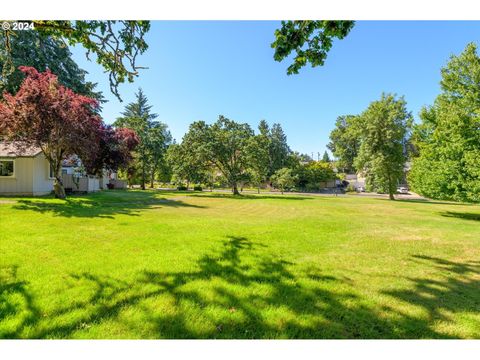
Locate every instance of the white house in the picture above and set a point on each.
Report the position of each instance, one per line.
(24, 170)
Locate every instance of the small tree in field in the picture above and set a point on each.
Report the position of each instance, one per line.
(283, 179)
(46, 114)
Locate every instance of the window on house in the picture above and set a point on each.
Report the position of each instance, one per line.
(6, 167)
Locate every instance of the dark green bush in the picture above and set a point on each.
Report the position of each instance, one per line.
(182, 188)
(197, 188)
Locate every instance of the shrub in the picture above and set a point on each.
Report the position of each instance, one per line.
(110, 186)
(197, 188)
(350, 188)
(182, 188)
(312, 187)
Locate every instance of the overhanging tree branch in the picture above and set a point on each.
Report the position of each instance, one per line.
(116, 44)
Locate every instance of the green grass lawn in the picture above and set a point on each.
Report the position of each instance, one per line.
(133, 264)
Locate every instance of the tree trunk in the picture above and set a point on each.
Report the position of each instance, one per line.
(152, 179)
(143, 175)
(390, 190)
(58, 188)
(235, 190)
(258, 189)
(56, 165)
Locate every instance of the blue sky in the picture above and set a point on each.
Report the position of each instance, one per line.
(200, 69)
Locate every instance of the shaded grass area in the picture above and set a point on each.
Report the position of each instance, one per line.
(462, 215)
(106, 207)
(171, 265)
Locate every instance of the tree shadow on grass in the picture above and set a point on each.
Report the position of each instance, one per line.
(16, 304)
(231, 292)
(429, 202)
(462, 215)
(456, 291)
(250, 197)
(101, 205)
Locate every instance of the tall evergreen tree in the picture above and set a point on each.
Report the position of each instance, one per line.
(30, 48)
(258, 150)
(279, 149)
(325, 157)
(263, 128)
(153, 136)
(275, 140)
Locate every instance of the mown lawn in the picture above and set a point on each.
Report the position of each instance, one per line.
(133, 264)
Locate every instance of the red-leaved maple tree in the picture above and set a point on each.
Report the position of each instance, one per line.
(45, 114)
(114, 151)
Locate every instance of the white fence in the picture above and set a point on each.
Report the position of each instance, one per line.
(81, 184)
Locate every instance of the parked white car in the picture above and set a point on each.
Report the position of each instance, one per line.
(402, 190)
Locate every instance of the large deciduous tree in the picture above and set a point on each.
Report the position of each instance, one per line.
(385, 126)
(48, 115)
(223, 145)
(447, 141)
(227, 148)
(279, 149)
(186, 164)
(159, 139)
(258, 150)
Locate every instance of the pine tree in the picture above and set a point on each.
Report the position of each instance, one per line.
(153, 136)
(325, 157)
(279, 149)
(30, 48)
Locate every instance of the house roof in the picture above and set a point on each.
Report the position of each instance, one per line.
(18, 149)
(71, 161)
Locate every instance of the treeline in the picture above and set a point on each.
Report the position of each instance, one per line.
(231, 154)
(440, 155)
(223, 154)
